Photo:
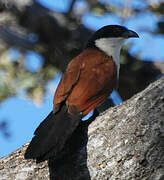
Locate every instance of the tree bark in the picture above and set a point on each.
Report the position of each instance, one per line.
(126, 142)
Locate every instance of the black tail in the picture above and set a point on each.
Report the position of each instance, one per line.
(51, 135)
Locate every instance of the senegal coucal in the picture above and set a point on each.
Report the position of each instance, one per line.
(89, 79)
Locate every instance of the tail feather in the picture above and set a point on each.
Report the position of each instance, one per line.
(52, 134)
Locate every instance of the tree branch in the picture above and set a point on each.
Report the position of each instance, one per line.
(125, 142)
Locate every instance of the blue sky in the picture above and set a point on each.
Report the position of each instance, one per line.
(23, 116)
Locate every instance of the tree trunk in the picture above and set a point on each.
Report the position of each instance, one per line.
(125, 142)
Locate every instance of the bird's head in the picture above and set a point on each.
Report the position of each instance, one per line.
(110, 35)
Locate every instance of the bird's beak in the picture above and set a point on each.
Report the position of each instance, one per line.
(130, 34)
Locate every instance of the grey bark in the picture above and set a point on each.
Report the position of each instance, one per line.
(126, 142)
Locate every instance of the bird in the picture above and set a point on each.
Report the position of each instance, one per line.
(89, 79)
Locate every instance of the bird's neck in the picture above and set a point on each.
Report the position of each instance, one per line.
(112, 47)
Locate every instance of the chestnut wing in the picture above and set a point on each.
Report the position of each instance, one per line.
(95, 84)
(88, 80)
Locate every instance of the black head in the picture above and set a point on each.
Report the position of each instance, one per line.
(111, 31)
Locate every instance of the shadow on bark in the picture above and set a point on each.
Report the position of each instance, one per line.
(73, 159)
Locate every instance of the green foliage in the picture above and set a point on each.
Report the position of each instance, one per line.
(57, 46)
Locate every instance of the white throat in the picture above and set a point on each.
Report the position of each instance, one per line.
(112, 47)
